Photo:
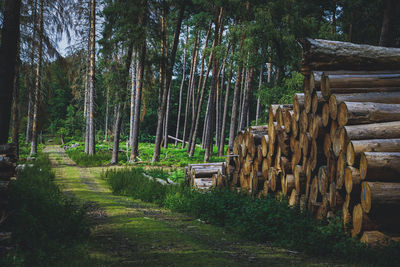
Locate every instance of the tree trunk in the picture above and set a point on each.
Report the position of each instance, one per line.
(387, 16)
(259, 87)
(156, 154)
(92, 40)
(181, 87)
(138, 98)
(106, 122)
(28, 138)
(245, 72)
(133, 94)
(8, 56)
(190, 89)
(86, 101)
(37, 82)
(166, 119)
(199, 103)
(383, 130)
(212, 103)
(15, 108)
(247, 98)
(117, 131)
(226, 103)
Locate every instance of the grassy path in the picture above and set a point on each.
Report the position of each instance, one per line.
(133, 233)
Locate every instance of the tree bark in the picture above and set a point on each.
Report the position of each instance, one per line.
(37, 82)
(106, 119)
(8, 56)
(246, 99)
(181, 87)
(117, 131)
(383, 130)
(379, 196)
(226, 103)
(15, 107)
(138, 99)
(133, 95)
(259, 87)
(28, 138)
(333, 55)
(380, 166)
(156, 154)
(387, 16)
(92, 40)
(190, 89)
(214, 81)
(351, 113)
(166, 119)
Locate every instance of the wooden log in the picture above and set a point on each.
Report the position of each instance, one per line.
(314, 190)
(383, 130)
(294, 198)
(346, 216)
(283, 140)
(340, 141)
(303, 121)
(287, 120)
(325, 114)
(295, 127)
(300, 179)
(265, 188)
(285, 166)
(307, 101)
(376, 239)
(288, 183)
(274, 178)
(332, 129)
(327, 145)
(340, 170)
(264, 145)
(317, 102)
(315, 81)
(203, 173)
(259, 129)
(259, 154)
(272, 138)
(298, 105)
(323, 179)
(264, 168)
(361, 221)
(317, 128)
(352, 177)
(375, 97)
(380, 166)
(380, 196)
(334, 55)
(356, 147)
(351, 113)
(296, 154)
(306, 144)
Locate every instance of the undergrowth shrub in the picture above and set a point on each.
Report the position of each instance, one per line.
(43, 221)
(265, 219)
(98, 159)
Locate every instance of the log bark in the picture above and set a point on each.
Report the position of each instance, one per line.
(298, 105)
(333, 55)
(380, 166)
(351, 113)
(384, 130)
(356, 147)
(380, 196)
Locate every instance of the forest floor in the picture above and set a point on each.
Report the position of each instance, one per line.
(131, 232)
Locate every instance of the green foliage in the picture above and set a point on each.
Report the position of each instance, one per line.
(43, 221)
(265, 219)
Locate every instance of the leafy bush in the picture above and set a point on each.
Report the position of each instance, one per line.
(43, 221)
(265, 219)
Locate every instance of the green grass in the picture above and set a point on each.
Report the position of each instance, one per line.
(137, 233)
(46, 224)
(172, 156)
(261, 220)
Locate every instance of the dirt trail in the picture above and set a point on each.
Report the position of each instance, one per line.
(130, 232)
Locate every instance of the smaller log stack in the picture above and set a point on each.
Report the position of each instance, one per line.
(336, 150)
(8, 162)
(204, 176)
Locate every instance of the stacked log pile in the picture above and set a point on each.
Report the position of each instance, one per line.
(336, 150)
(203, 176)
(8, 162)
